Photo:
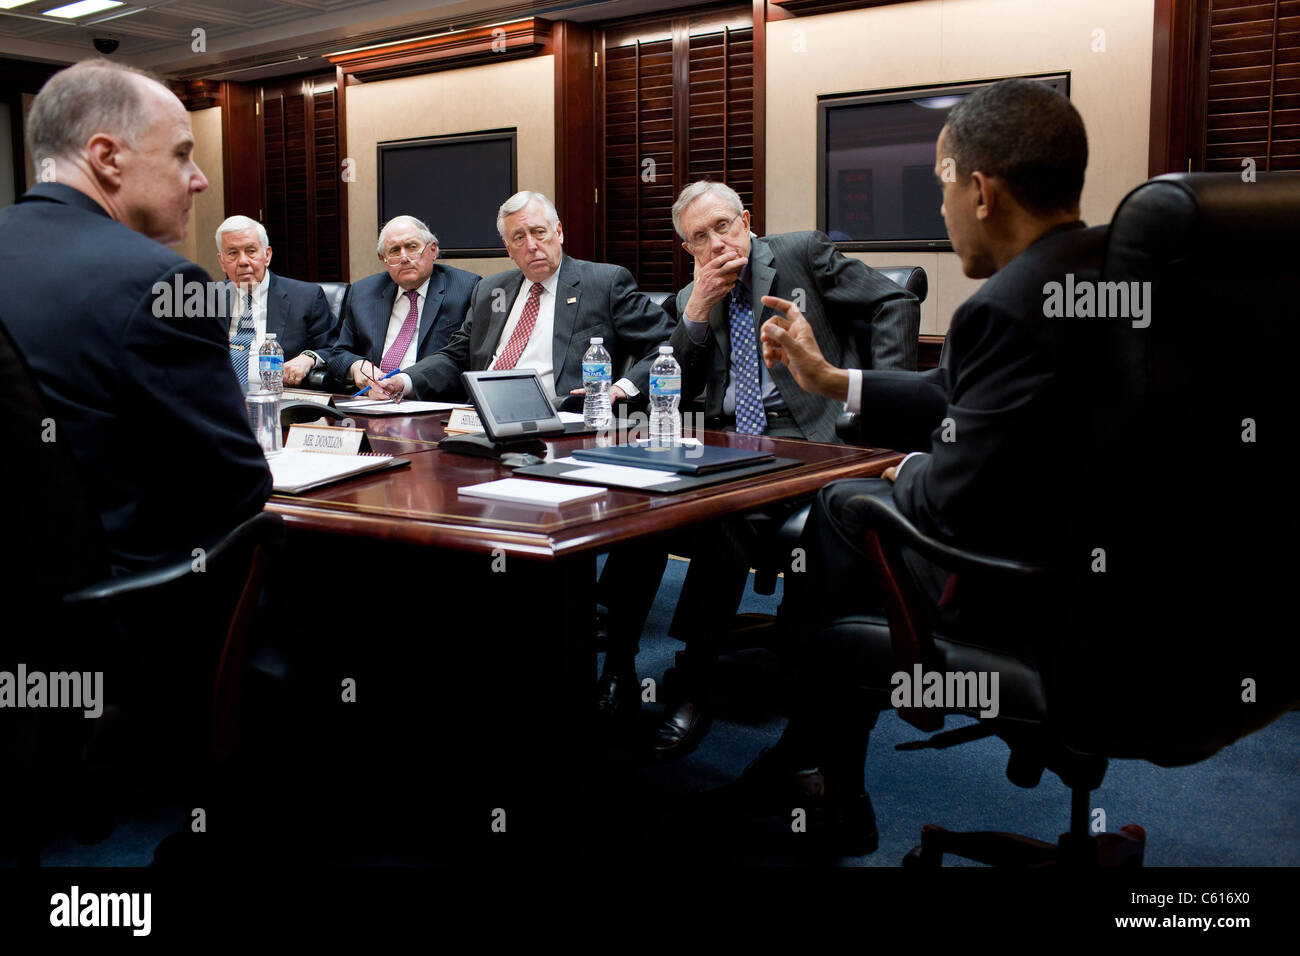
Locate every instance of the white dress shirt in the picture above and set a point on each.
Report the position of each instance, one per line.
(260, 292)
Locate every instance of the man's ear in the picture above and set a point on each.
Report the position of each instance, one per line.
(986, 195)
(103, 155)
(435, 249)
(268, 257)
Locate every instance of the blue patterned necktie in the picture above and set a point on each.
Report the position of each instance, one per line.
(242, 342)
(750, 417)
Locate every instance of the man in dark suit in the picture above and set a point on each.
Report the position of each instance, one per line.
(543, 315)
(716, 343)
(733, 271)
(296, 313)
(139, 387)
(396, 318)
(999, 470)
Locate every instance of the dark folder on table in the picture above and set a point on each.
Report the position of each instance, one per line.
(680, 459)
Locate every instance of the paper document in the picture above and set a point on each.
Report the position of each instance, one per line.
(364, 406)
(549, 494)
(619, 475)
(570, 417)
(294, 470)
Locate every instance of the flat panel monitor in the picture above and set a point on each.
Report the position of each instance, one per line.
(454, 184)
(875, 177)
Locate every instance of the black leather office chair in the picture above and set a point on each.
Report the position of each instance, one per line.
(81, 619)
(1176, 649)
(336, 294)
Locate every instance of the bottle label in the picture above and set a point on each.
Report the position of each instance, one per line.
(592, 371)
(270, 363)
(665, 384)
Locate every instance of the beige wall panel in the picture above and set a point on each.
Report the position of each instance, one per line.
(210, 205)
(518, 93)
(944, 41)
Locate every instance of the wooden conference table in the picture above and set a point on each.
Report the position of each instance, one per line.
(414, 515)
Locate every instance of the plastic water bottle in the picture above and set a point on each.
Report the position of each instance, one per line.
(665, 396)
(270, 364)
(597, 373)
(264, 418)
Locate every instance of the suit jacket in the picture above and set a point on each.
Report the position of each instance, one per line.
(148, 404)
(592, 298)
(1011, 384)
(370, 306)
(299, 315)
(837, 290)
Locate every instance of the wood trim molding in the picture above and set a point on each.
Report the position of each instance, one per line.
(197, 94)
(758, 210)
(785, 9)
(341, 104)
(928, 350)
(575, 136)
(1175, 102)
(241, 155)
(447, 51)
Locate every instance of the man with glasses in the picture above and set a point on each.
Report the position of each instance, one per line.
(717, 344)
(396, 318)
(542, 315)
(297, 313)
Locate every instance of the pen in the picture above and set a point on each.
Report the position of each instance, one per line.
(367, 388)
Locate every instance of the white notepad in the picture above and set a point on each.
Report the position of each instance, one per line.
(548, 494)
(365, 406)
(295, 471)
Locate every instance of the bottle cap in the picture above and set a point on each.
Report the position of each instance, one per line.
(665, 349)
(597, 340)
(270, 335)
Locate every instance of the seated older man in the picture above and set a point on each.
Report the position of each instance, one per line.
(296, 313)
(395, 318)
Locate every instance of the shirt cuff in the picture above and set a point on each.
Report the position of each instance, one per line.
(854, 401)
(898, 469)
(696, 330)
(630, 390)
(406, 384)
(316, 360)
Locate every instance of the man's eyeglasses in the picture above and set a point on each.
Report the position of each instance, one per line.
(721, 229)
(412, 250)
(540, 233)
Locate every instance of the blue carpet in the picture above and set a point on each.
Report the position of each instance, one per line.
(1239, 808)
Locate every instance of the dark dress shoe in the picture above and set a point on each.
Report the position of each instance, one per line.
(683, 727)
(618, 698)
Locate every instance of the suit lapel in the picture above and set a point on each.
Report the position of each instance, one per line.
(381, 312)
(433, 296)
(568, 299)
(496, 320)
(762, 275)
(277, 308)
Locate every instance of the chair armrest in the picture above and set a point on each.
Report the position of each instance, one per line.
(126, 585)
(849, 427)
(879, 513)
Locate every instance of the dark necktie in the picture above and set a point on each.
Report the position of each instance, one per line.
(242, 342)
(750, 417)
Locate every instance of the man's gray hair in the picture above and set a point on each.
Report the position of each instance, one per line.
(239, 224)
(518, 201)
(93, 96)
(700, 188)
(426, 235)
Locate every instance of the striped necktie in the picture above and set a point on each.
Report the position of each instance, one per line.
(242, 342)
(750, 417)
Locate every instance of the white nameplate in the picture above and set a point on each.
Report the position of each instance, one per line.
(328, 438)
(464, 421)
(316, 398)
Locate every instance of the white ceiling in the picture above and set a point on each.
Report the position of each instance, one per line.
(250, 39)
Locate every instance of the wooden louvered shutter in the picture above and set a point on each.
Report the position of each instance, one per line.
(676, 104)
(302, 204)
(1252, 97)
(639, 177)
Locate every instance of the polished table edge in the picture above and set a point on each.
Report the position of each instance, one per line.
(488, 535)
